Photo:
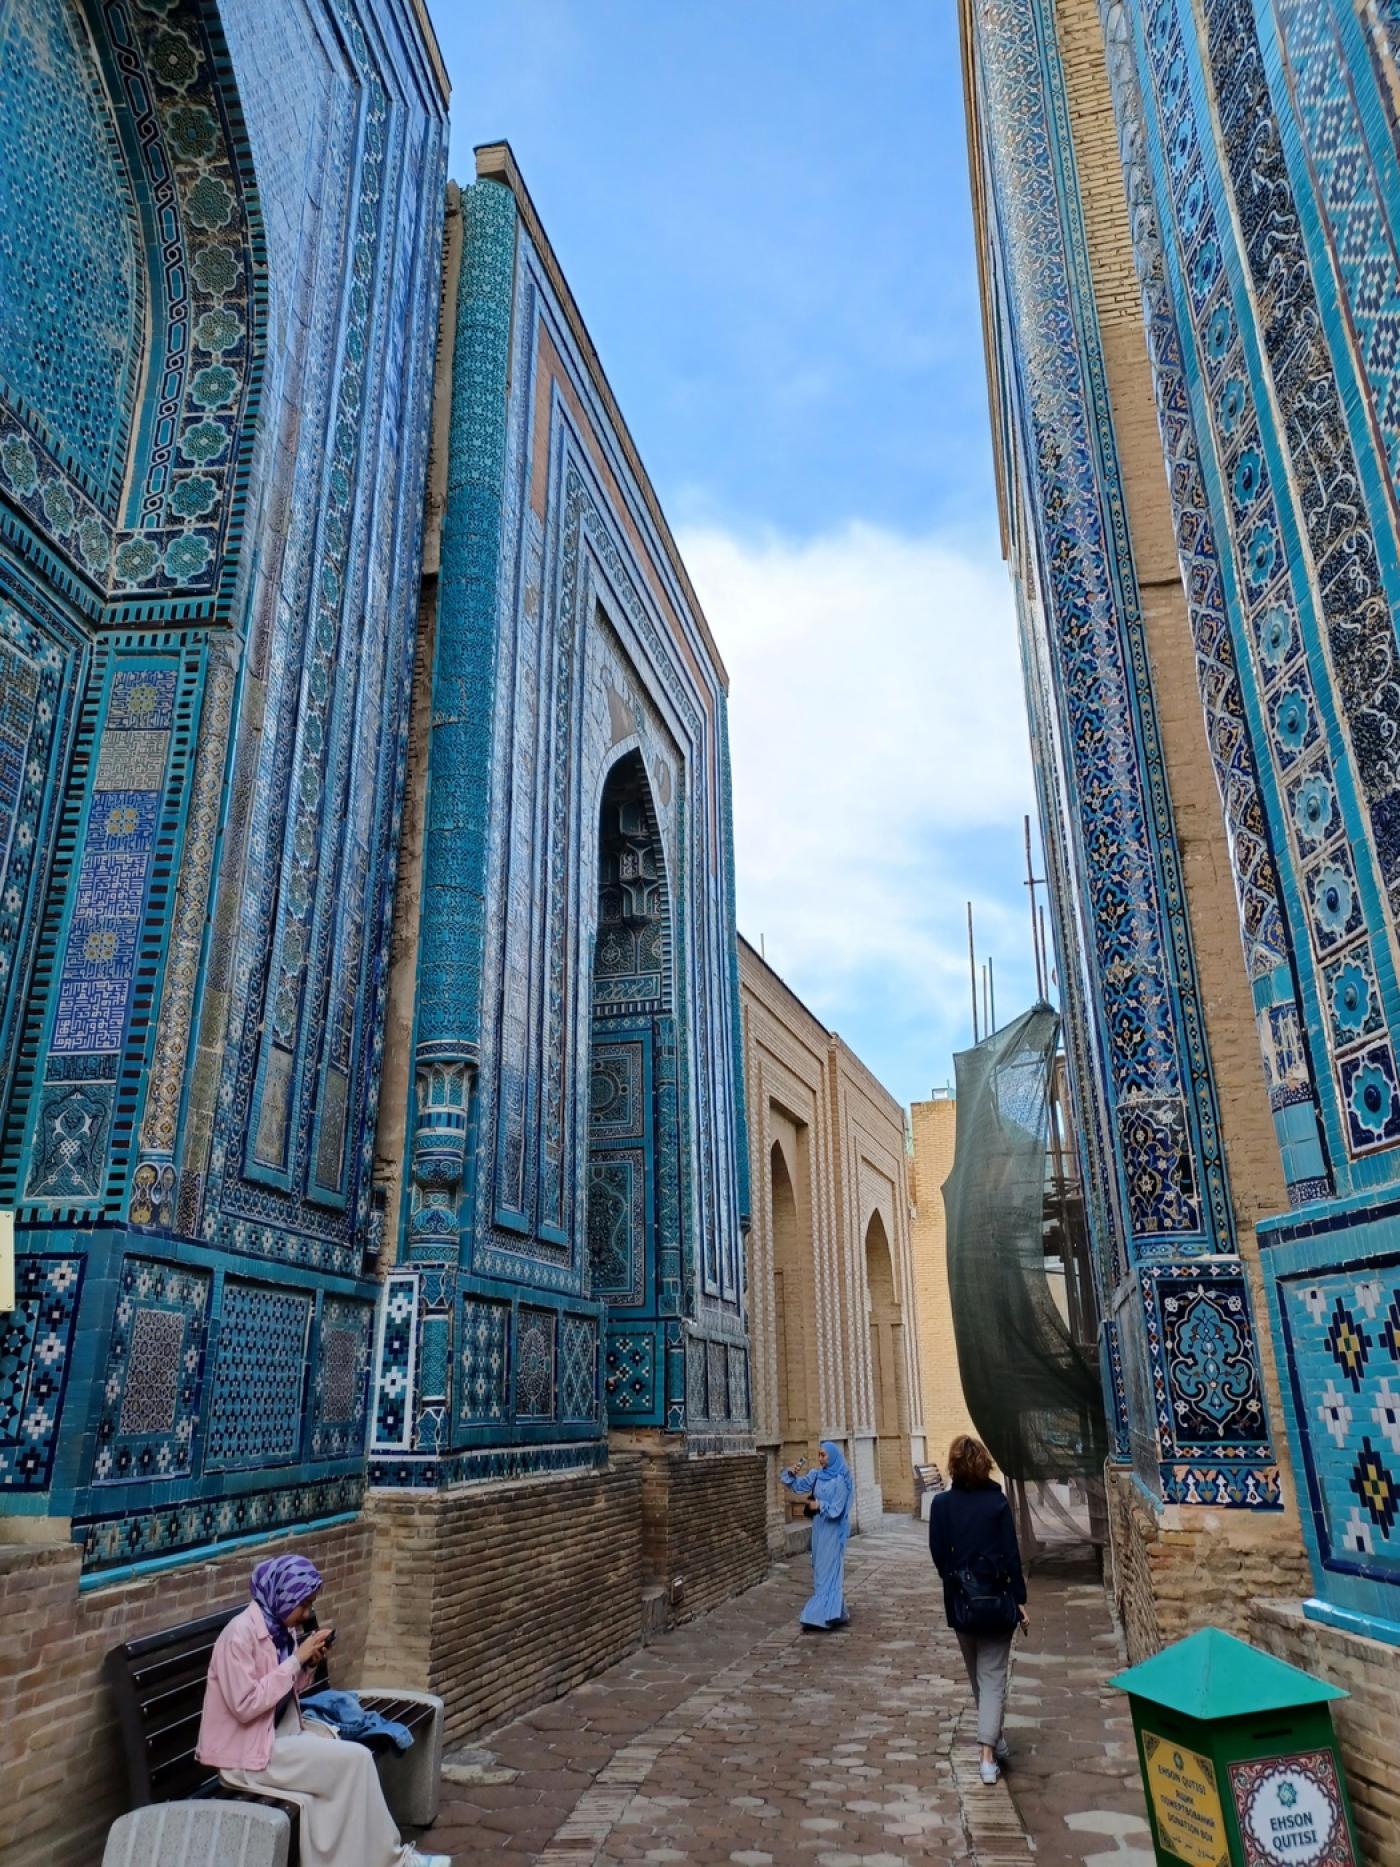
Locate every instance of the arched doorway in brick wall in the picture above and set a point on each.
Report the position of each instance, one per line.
(888, 1374)
(794, 1324)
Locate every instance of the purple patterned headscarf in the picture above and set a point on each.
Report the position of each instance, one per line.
(278, 1586)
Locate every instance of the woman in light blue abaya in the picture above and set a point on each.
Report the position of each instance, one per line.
(827, 1490)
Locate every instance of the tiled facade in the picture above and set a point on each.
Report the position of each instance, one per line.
(370, 1082)
(1185, 218)
(211, 476)
(570, 1243)
(831, 1269)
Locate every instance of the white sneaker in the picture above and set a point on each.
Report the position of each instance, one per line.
(1003, 1751)
(990, 1774)
(429, 1860)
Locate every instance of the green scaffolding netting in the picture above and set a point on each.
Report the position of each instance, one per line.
(1033, 1392)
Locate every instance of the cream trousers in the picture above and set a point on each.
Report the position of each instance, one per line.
(344, 1821)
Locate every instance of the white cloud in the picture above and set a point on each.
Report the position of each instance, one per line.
(879, 752)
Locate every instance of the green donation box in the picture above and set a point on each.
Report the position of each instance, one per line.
(1239, 1760)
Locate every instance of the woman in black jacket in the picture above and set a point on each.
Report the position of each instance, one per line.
(972, 1539)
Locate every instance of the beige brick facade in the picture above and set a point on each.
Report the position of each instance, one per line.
(934, 1128)
(831, 1279)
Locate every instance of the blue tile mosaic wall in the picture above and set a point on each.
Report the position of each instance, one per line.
(202, 748)
(1189, 1405)
(72, 274)
(1270, 950)
(36, 1344)
(124, 454)
(255, 1402)
(1279, 186)
(1262, 178)
(1335, 1301)
(341, 1412)
(1318, 780)
(155, 1363)
(575, 1120)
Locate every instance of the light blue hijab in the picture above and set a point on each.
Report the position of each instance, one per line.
(833, 1486)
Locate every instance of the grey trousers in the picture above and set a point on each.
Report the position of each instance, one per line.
(987, 1659)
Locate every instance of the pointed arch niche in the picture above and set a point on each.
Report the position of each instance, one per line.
(633, 1190)
(888, 1374)
(794, 1292)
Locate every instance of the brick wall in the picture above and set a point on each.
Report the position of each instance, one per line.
(706, 1527)
(62, 1776)
(934, 1126)
(822, 1362)
(503, 1596)
(1190, 1568)
(1368, 1723)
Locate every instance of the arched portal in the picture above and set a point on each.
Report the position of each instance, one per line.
(795, 1336)
(887, 1369)
(632, 1189)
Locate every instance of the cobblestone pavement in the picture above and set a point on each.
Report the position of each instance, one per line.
(736, 1739)
(1076, 1782)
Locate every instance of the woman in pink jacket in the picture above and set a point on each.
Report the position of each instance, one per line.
(252, 1731)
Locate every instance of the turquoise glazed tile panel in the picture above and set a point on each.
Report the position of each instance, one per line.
(341, 1398)
(36, 1341)
(72, 273)
(154, 1367)
(260, 1353)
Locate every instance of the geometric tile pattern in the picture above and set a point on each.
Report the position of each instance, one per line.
(1191, 1383)
(254, 1416)
(179, 350)
(1343, 1328)
(70, 279)
(1314, 768)
(1268, 947)
(88, 1030)
(35, 1343)
(621, 1118)
(155, 1358)
(631, 1378)
(180, 264)
(341, 1404)
(485, 1372)
(1159, 1077)
(201, 1523)
(578, 1368)
(394, 1372)
(36, 709)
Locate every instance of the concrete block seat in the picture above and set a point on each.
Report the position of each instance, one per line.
(158, 1685)
(199, 1834)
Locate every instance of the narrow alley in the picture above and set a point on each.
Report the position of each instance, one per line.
(736, 1739)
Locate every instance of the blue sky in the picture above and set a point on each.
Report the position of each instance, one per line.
(762, 210)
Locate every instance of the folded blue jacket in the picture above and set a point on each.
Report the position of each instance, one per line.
(344, 1713)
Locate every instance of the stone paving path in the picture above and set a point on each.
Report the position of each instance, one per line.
(737, 1739)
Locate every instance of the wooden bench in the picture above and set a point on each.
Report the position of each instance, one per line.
(158, 1686)
(928, 1482)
